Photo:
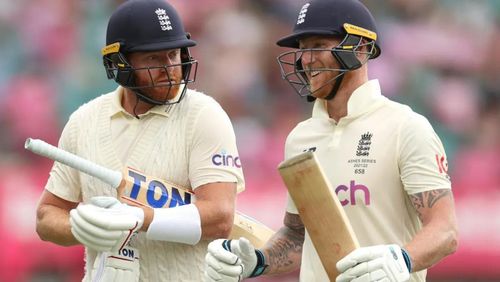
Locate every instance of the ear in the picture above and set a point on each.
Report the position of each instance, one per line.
(365, 50)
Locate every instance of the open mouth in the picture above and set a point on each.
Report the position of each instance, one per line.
(315, 73)
(165, 82)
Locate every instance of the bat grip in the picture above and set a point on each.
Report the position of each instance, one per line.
(44, 149)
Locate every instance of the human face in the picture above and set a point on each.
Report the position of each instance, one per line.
(159, 72)
(321, 67)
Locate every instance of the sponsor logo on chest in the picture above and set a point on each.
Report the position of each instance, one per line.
(353, 194)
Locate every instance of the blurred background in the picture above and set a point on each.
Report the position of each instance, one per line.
(440, 57)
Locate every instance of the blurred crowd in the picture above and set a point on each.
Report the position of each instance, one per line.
(440, 57)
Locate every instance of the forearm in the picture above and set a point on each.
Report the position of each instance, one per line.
(283, 252)
(216, 206)
(189, 223)
(216, 220)
(213, 224)
(52, 224)
(438, 237)
(431, 244)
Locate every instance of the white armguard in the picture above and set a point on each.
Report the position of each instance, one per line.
(181, 224)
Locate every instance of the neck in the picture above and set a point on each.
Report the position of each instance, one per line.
(337, 107)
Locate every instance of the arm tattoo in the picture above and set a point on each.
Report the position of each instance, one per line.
(427, 199)
(288, 244)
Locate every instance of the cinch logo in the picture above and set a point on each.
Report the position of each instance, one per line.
(347, 195)
(226, 160)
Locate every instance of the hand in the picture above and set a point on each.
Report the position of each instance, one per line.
(105, 224)
(376, 263)
(117, 267)
(233, 260)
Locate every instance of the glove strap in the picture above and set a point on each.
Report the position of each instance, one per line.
(407, 259)
(261, 264)
(261, 260)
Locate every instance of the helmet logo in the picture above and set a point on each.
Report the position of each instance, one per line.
(302, 13)
(356, 30)
(164, 20)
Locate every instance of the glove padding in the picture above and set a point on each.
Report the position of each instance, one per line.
(383, 263)
(117, 267)
(105, 224)
(232, 260)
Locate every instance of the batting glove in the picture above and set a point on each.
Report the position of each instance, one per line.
(233, 260)
(105, 224)
(386, 263)
(122, 266)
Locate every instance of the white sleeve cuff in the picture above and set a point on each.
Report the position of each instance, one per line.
(181, 224)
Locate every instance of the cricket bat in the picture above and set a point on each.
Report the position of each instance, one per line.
(136, 188)
(320, 210)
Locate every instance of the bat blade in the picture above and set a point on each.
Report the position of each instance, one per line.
(320, 210)
(164, 194)
(136, 188)
(257, 233)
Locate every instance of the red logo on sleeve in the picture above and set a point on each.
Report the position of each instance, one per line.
(442, 164)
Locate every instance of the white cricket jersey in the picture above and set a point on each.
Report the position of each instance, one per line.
(191, 143)
(375, 157)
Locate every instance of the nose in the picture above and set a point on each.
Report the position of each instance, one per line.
(168, 65)
(307, 57)
(166, 61)
(170, 61)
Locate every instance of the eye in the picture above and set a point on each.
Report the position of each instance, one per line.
(173, 55)
(320, 45)
(316, 45)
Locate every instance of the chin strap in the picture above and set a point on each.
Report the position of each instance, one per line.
(335, 87)
(141, 96)
(146, 99)
(332, 94)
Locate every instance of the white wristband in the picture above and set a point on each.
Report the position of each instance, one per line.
(181, 224)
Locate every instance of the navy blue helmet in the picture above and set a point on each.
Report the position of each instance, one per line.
(141, 26)
(349, 20)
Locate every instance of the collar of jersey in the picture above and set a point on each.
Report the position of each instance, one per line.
(116, 106)
(362, 100)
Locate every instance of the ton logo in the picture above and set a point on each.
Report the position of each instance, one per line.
(127, 252)
(157, 194)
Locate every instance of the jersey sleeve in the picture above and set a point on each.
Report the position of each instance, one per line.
(422, 158)
(214, 154)
(63, 180)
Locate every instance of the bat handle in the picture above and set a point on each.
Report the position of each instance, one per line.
(42, 148)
